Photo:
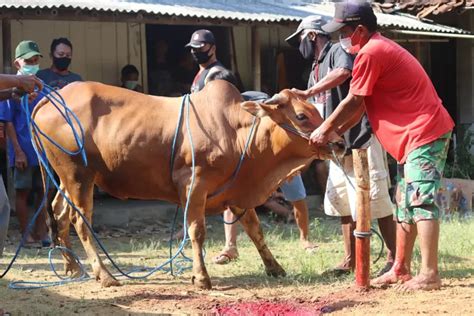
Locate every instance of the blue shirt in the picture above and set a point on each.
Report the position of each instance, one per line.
(11, 111)
(56, 80)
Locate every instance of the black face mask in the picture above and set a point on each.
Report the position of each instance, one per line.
(307, 48)
(61, 63)
(201, 57)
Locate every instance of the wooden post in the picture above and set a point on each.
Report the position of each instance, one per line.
(7, 46)
(362, 232)
(256, 62)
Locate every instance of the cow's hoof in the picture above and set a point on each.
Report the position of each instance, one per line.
(72, 270)
(202, 283)
(107, 280)
(276, 271)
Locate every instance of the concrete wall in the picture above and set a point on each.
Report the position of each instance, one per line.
(100, 49)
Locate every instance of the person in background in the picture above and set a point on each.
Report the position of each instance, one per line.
(160, 80)
(129, 78)
(22, 157)
(28, 84)
(58, 75)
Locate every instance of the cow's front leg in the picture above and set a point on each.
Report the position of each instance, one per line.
(251, 224)
(197, 232)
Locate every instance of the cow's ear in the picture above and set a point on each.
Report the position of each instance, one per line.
(255, 108)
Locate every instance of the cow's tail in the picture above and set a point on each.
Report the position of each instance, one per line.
(52, 224)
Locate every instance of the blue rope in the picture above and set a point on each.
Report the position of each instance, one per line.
(36, 131)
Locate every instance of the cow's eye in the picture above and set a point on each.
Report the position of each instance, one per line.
(301, 117)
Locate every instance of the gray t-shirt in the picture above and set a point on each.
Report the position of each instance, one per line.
(333, 57)
(56, 80)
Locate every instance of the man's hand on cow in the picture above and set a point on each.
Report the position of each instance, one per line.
(20, 160)
(304, 94)
(319, 137)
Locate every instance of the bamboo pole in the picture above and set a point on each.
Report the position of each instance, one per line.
(362, 232)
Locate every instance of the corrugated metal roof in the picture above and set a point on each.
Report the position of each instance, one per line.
(240, 10)
(423, 8)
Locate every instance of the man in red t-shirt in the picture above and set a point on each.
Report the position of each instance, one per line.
(410, 122)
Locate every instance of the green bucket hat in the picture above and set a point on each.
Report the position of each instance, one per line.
(27, 49)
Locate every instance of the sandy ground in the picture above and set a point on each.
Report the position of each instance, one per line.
(233, 293)
(177, 296)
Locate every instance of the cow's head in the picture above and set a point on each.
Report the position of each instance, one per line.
(298, 118)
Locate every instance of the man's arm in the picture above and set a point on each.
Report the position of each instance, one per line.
(27, 83)
(340, 119)
(334, 78)
(356, 117)
(20, 157)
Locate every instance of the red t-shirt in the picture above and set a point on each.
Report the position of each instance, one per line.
(403, 107)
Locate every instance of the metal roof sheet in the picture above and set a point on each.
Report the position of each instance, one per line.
(240, 10)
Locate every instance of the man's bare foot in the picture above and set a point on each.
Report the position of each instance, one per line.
(308, 246)
(421, 282)
(390, 277)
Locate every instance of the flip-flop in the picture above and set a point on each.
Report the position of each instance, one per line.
(224, 257)
(385, 269)
(337, 272)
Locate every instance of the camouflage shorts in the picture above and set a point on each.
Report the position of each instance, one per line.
(418, 181)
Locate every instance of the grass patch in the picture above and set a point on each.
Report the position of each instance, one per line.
(456, 253)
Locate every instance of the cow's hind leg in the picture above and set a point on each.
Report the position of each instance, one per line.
(61, 212)
(81, 194)
(251, 224)
(197, 232)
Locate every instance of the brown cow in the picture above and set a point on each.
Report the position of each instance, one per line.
(128, 139)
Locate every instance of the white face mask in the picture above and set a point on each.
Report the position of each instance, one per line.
(346, 43)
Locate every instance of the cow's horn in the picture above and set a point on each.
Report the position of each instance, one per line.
(276, 99)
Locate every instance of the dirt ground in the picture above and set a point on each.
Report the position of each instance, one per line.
(231, 296)
(240, 288)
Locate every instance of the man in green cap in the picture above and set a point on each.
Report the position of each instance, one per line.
(22, 83)
(22, 157)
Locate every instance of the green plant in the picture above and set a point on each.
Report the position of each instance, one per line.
(462, 164)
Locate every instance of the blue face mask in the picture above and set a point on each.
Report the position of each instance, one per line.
(130, 84)
(29, 69)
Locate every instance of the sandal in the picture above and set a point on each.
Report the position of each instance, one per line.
(227, 255)
(386, 268)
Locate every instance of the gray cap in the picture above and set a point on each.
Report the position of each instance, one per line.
(201, 38)
(312, 22)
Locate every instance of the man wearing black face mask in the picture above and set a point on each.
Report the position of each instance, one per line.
(203, 50)
(328, 84)
(58, 75)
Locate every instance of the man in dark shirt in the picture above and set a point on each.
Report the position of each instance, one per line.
(203, 50)
(59, 75)
(328, 84)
